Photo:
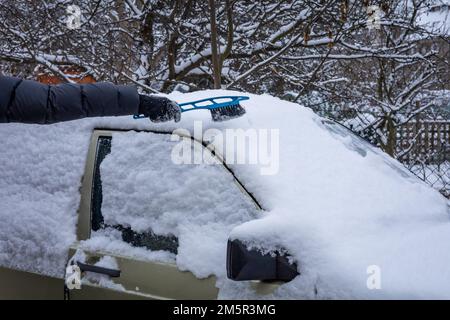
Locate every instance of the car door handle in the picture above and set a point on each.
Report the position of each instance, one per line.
(96, 269)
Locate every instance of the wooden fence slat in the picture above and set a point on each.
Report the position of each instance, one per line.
(434, 139)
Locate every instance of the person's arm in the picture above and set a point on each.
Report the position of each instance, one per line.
(32, 102)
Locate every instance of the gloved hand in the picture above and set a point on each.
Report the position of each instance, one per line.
(159, 109)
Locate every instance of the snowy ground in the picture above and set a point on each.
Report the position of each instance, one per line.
(338, 206)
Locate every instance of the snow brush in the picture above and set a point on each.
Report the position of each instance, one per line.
(221, 108)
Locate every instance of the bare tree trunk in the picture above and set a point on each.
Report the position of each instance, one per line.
(217, 72)
(391, 138)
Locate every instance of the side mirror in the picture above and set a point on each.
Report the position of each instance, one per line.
(244, 264)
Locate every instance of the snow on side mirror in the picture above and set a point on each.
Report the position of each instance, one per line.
(252, 264)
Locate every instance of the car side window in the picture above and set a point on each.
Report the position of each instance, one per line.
(142, 193)
(147, 239)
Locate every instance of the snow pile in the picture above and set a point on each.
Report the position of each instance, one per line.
(338, 205)
(40, 172)
(110, 240)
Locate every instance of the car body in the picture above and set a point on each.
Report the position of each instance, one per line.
(336, 208)
(139, 279)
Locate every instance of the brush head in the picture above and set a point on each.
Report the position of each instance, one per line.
(227, 113)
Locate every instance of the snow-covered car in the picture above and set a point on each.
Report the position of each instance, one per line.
(327, 214)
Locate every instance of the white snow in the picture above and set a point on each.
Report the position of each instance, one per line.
(337, 205)
(40, 172)
(150, 191)
(110, 240)
(143, 189)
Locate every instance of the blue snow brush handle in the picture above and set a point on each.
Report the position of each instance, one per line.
(214, 103)
(220, 110)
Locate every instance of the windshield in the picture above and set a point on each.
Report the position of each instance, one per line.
(363, 147)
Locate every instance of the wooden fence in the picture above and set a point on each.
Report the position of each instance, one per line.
(424, 141)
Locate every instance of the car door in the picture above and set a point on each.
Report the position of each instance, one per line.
(128, 256)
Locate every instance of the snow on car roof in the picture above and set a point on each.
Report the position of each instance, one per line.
(341, 208)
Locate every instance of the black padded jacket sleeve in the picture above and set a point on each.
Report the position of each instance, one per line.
(32, 102)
